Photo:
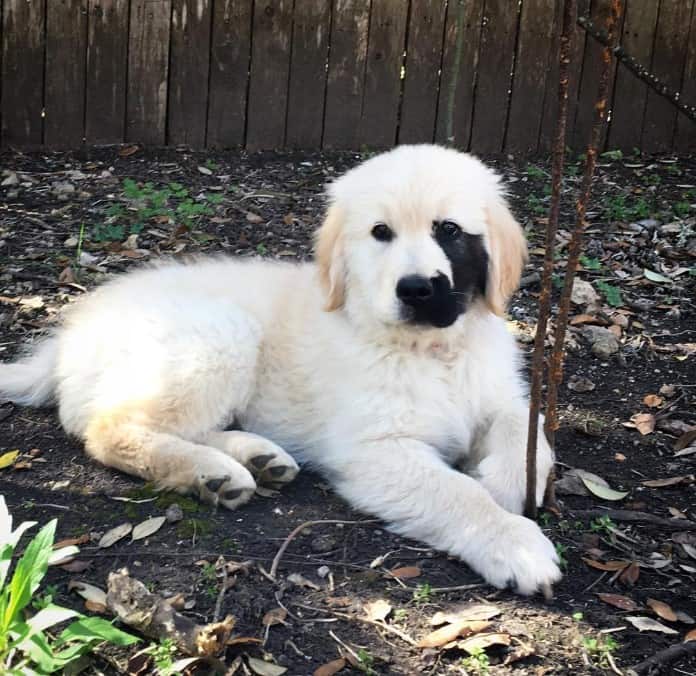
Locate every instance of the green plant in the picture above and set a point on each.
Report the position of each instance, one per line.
(422, 593)
(612, 155)
(80, 242)
(535, 205)
(533, 171)
(163, 656)
(477, 662)
(590, 263)
(261, 249)
(26, 646)
(209, 577)
(578, 616)
(681, 209)
(602, 524)
(366, 662)
(211, 164)
(612, 294)
(561, 550)
(600, 649)
(545, 519)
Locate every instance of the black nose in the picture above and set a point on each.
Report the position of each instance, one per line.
(414, 289)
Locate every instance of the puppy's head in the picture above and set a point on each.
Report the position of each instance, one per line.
(415, 236)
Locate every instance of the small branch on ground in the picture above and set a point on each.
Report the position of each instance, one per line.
(149, 614)
(630, 516)
(655, 664)
(565, 50)
(575, 244)
(307, 524)
(640, 71)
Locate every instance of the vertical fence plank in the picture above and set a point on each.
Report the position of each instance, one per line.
(66, 51)
(22, 72)
(630, 93)
(345, 82)
(189, 60)
(270, 63)
(107, 60)
(592, 67)
(148, 66)
(229, 73)
(422, 78)
(310, 44)
(551, 93)
(496, 56)
(385, 49)
(456, 96)
(671, 39)
(531, 75)
(685, 138)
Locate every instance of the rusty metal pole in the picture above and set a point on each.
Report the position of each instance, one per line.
(565, 50)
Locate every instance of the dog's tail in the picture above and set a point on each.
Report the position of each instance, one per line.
(31, 380)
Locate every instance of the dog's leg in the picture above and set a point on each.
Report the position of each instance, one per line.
(169, 461)
(502, 469)
(406, 483)
(267, 461)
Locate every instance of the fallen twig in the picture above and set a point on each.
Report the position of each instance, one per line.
(654, 664)
(574, 246)
(307, 524)
(631, 516)
(565, 50)
(153, 617)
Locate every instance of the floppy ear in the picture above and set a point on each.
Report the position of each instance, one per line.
(508, 254)
(330, 258)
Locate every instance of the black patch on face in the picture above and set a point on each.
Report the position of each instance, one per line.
(469, 261)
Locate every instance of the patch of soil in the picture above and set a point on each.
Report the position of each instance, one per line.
(68, 220)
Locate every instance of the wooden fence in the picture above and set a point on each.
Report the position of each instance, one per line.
(330, 73)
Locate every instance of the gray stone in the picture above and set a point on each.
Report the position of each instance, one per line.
(323, 543)
(174, 513)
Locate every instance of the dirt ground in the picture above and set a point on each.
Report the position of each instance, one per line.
(67, 221)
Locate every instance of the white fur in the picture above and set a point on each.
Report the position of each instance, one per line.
(152, 366)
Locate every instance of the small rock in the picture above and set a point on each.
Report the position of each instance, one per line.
(61, 188)
(105, 174)
(583, 293)
(71, 242)
(205, 171)
(649, 223)
(323, 571)
(253, 218)
(580, 384)
(530, 280)
(668, 390)
(323, 543)
(174, 513)
(75, 175)
(87, 258)
(605, 347)
(11, 179)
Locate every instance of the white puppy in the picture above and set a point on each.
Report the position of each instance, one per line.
(386, 366)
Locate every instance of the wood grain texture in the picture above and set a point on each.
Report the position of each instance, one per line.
(148, 71)
(346, 73)
(531, 76)
(685, 137)
(385, 49)
(66, 53)
(422, 71)
(107, 61)
(229, 73)
(456, 95)
(496, 55)
(189, 62)
(310, 49)
(21, 108)
(669, 57)
(270, 64)
(630, 94)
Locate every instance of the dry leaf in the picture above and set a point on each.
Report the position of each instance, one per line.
(691, 636)
(479, 611)
(115, 534)
(578, 320)
(630, 574)
(653, 400)
(618, 601)
(676, 513)
(330, 668)
(604, 492)
(686, 439)
(643, 422)
(71, 542)
(95, 606)
(253, 218)
(610, 566)
(265, 668)
(127, 151)
(662, 609)
(483, 641)
(648, 624)
(689, 549)
(205, 171)
(148, 527)
(377, 610)
(668, 481)
(88, 592)
(450, 632)
(7, 459)
(405, 573)
(76, 566)
(302, 581)
(275, 616)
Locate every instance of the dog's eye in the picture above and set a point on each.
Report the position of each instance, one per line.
(449, 229)
(382, 232)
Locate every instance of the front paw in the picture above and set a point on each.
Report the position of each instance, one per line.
(519, 556)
